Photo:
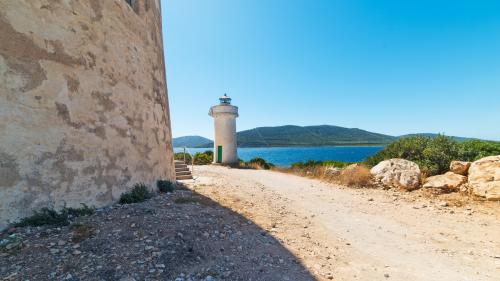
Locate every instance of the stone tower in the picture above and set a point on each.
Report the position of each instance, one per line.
(83, 102)
(225, 147)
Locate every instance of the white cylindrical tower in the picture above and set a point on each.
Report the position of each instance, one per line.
(224, 114)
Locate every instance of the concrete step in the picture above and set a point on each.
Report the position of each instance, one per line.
(181, 169)
(185, 177)
(183, 173)
(181, 166)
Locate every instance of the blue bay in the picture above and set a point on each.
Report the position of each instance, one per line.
(285, 156)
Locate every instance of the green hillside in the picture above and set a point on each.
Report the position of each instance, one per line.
(290, 135)
(309, 136)
(192, 141)
(432, 135)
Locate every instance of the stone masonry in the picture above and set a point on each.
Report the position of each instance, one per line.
(83, 102)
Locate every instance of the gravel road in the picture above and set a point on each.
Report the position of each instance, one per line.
(344, 233)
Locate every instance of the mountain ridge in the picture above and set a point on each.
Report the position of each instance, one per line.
(293, 135)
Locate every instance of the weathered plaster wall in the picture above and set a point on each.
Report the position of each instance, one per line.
(83, 104)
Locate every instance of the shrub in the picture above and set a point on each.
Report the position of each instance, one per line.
(434, 155)
(165, 186)
(78, 212)
(411, 148)
(45, 216)
(259, 163)
(356, 175)
(203, 158)
(473, 150)
(139, 193)
(181, 156)
(48, 216)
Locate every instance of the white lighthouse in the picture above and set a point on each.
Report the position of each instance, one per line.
(224, 114)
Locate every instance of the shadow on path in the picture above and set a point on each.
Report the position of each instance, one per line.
(179, 236)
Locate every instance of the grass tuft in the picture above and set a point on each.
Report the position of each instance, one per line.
(139, 193)
(47, 216)
(165, 186)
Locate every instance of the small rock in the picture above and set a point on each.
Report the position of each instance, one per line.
(443, 204)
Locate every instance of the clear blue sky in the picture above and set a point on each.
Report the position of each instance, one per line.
(392, 67)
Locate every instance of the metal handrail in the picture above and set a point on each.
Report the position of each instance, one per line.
(192, 161)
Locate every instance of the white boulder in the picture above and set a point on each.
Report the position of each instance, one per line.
(460, 167)
(484, 177)
(397, 173)
(447, 182)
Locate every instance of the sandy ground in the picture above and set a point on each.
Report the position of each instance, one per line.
(344, 233)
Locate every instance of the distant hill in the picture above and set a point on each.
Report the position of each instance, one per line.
(432, 135)
(290, 135)
(192, 141)
(309, 136)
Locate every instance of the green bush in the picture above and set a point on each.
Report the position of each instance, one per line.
(48, 216)
(203, 158)
(476, 149)
(260, 163)
(165, 186)
(78, 212)
(45, 216)
(139, 193)
(434, 155)
(180, 156)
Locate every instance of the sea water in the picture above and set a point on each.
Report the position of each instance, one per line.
(285, 156)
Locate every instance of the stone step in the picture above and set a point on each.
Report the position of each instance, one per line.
(180, 165)
(185, 177)
(181, 169)
(182, 173)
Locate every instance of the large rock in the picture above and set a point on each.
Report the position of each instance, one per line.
(447, 182)
(484, 177)
(460, 167)
(397, 173)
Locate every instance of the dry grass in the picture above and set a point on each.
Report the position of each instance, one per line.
(355, 175)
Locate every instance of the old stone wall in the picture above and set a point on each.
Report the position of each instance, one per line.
(83, 102)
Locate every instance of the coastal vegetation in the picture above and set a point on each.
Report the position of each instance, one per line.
(165, 186)
(139, 193)
(49, 216)
(434, 155)
(256, 163)
(181, 156)
(199, 158)
(203, 158)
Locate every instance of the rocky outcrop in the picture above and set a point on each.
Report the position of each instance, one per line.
(448, 182)
(460, 167)
(484, 177)
(397, 173)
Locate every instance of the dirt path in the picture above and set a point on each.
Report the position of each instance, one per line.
(353, 234)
